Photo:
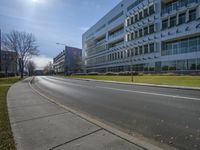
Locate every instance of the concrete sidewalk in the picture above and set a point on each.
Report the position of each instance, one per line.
(40, 124)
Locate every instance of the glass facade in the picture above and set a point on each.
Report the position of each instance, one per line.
(192, 15)
(145, 30)
(143, 39)
(176, 4)
(181, 46)
(151, 29)
(147, 67)
(151, 48)
(165, 24)
(146, 49)
(182, 18)
(173, 21)
(181, 65)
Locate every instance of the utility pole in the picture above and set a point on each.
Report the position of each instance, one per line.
(0, 51)
(131, 68)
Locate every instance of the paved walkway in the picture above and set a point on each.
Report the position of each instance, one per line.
(39, 124)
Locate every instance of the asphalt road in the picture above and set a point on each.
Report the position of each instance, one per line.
(166, 115)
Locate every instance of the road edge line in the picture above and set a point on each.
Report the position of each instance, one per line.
(140, 84)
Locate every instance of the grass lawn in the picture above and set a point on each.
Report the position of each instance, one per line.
(193, 81)
(6, 138)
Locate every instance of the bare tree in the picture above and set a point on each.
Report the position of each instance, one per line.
(24, 44)
(48, 69)
(31, 67)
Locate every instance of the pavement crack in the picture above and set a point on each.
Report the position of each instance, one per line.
(76, 138)
(16, 122)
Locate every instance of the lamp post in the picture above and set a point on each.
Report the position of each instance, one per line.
(65, 65)
(0, 50)
(131, 68)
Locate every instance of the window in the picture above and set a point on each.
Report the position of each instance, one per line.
(172, 65)
(198, 45)
(115, 55)
(191, 64)
(146, 68)
(164, 24)
(116, 17)
(141, 50)
(198, 64)
(165, 66)
(121, 54)
(192, 15)
(181, 65)
(183, 46)
(151, 66)
(140, 15)
(129, 37)
(136, 17)
(132, 21)
(145, 12)
(132, 52)
(173, 21)
(193, 44)
(128, 53)
(175, 48)
(136, 51)
(135, 3)
(146, 49)
(151, 48)
(145, 30)
(128, 22)
(136, 34)
(182, 18)
(151, 29)
(132, 36)
(151, 10)
(140, 33)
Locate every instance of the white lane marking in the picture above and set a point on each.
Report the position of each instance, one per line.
(134, 91)
(150, 93)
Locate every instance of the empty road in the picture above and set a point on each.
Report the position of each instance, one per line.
(166, 115)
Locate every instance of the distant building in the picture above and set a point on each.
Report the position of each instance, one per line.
(68, 61)
(146, 35)
(39, 72)
(8, 63)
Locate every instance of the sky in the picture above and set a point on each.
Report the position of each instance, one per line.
(52, 21)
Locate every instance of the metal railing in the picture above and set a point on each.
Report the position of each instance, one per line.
(176, 5)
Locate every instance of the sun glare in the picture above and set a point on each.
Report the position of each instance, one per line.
(37, 1)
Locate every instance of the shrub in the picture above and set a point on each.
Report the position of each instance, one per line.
(81, 74)
(93, 73)
(110, 73)
(128, 73)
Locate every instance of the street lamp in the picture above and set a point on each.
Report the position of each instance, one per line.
(0, 50)
(131, 65)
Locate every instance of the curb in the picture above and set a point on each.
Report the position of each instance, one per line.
(134, 140)
(140, 84)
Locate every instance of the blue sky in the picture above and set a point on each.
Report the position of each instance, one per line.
(53, 21)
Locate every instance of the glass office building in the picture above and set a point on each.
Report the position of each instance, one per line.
(146, 36)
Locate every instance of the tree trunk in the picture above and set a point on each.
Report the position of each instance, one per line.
(6, 72)
(22, 69)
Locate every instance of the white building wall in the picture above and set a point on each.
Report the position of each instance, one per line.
(96, 59)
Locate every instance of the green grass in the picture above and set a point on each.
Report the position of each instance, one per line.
(6, 138)
(193, 81)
